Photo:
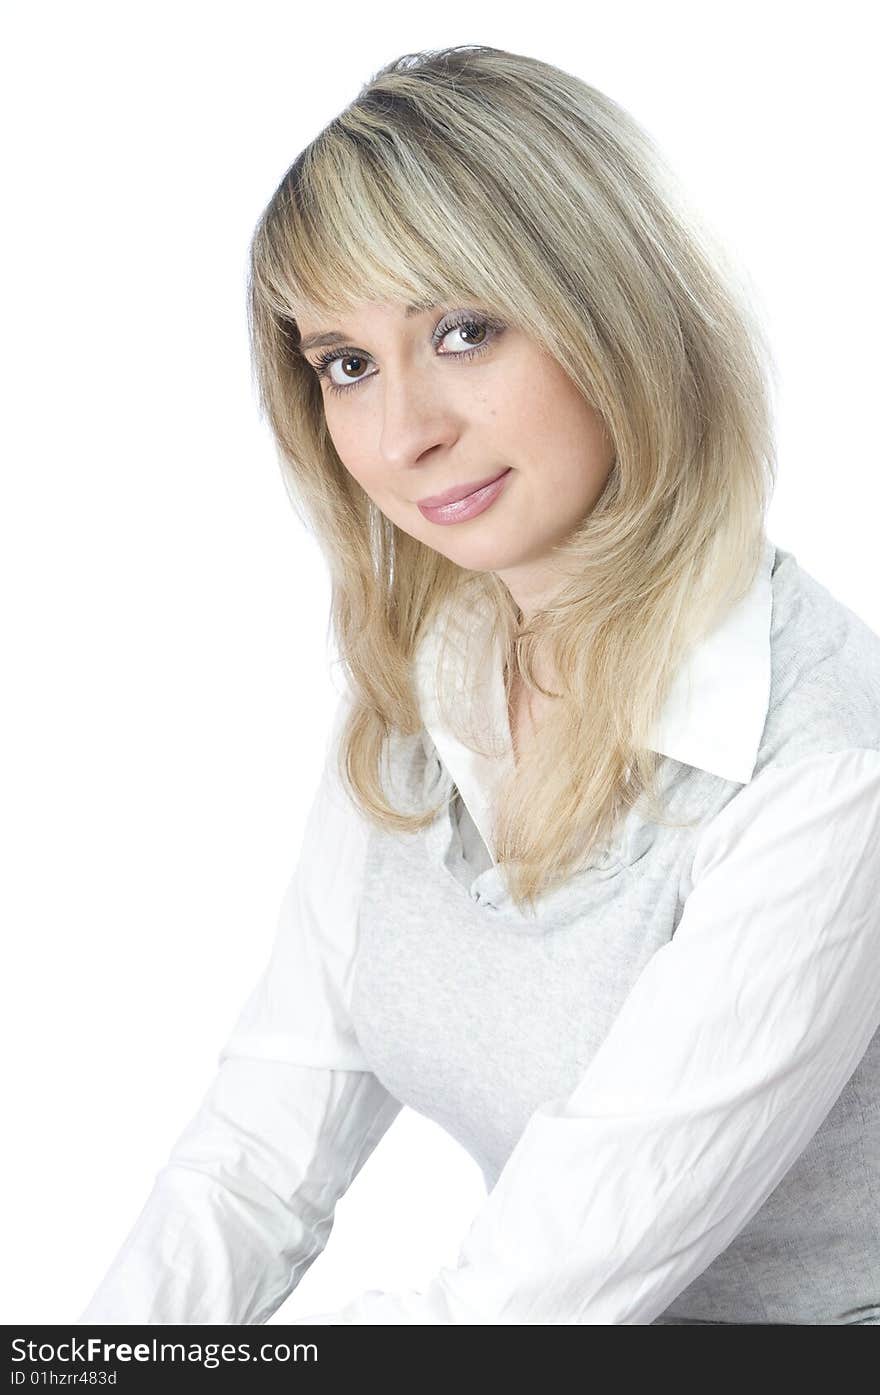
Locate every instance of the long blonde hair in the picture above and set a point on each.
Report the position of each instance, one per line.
(474, 174)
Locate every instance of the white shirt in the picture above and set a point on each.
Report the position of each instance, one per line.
(727, 1055)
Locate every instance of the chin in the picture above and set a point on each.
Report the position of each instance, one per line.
(487, 558)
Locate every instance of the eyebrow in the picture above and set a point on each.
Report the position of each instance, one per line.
(333, 336)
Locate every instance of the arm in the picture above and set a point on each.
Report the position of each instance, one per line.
(245, 1202)
(727, 1055)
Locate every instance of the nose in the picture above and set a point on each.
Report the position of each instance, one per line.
(416, 416)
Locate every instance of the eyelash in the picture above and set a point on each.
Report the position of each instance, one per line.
(322, 364)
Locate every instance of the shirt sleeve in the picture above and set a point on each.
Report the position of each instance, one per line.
(245, 1202)
(728, 1053)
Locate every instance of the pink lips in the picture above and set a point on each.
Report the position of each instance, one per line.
(458, 491)
(463, 501)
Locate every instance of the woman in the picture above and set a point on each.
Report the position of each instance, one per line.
(592, 876)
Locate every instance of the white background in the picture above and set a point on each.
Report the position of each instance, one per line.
(166, 691)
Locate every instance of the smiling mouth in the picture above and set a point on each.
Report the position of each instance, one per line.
(459, 492)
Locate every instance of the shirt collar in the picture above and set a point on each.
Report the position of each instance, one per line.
(713, 717)
(717, 705)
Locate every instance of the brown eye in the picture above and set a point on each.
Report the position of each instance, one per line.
(476, 335)
(476, 332)
(351, 358)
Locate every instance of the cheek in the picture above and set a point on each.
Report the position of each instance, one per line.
(579, 462)
(542, 404)
(562, 436)
(360, 473)
(374, 481)
(349, 447)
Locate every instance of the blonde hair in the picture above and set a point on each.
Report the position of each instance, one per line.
(474, 174)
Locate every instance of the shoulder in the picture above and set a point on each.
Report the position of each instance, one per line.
(818, 760)
(825, 672)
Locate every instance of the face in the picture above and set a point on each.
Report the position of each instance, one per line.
(421, 403)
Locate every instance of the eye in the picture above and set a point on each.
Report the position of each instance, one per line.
(478, 330)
